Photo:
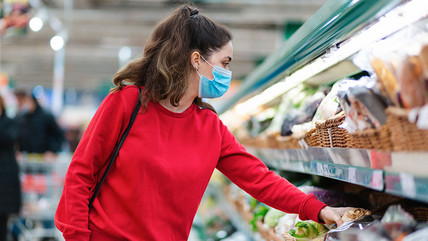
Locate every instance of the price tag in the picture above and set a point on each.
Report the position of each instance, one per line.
(320, 170)
(408, 186)
(377, 179)
(300, 167)
(352, 174)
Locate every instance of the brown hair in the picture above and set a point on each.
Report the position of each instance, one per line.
(165, 65)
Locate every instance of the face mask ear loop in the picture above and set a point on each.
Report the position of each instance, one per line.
(206, 61)
(197, 71)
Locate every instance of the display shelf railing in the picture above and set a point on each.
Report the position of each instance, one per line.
(407, 185)
(392, 172)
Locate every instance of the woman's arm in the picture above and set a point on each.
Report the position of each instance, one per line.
(252, 175)
(91, 155)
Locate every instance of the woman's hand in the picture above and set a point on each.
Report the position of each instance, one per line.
(333, 215)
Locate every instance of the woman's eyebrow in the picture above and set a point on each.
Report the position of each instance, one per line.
(230, 58)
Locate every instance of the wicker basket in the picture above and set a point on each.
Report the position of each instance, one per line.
(287, 142)
(378, 139)
(330, 134)
(311, 138)
(405, 136)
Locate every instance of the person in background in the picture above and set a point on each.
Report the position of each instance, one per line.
(155, 185)
(10, 188)
(72, 137)
(38, 129)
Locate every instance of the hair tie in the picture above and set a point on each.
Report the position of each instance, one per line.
(194, 12)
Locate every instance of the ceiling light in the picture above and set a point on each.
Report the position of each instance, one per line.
(57, 42)
(36, 24)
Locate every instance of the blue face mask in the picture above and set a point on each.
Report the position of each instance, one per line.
(216, 87)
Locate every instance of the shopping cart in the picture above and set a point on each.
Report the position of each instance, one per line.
(42, 180)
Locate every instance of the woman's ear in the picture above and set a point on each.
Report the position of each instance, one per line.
(195, 58)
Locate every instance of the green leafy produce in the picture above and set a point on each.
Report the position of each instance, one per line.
(272, 217)
(307, 230)
(259, 213)
(253, 203)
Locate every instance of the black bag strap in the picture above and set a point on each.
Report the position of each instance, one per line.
(116, 149)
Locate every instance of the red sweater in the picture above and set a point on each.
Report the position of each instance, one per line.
(153, 189)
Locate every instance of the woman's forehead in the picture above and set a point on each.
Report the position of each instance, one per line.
(225, 52)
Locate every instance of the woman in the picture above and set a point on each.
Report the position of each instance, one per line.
(154, 187)
(10, 189)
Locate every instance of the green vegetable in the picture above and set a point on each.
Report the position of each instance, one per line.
(295, 235)
(307, 230)
(320, 227)
(272, 217)
(259, 213)
(253, 203)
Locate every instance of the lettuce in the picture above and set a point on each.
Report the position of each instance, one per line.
(307, 230)
(272, 217)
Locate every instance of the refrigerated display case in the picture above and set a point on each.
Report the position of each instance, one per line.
(320, 53)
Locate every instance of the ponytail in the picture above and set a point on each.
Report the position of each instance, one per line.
(165, 65)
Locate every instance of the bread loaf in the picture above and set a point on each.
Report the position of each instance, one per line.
(387, 83)
(423, 56)
(412, 84)
(354, 214)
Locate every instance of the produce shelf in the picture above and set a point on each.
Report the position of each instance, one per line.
(235, 217)
(383, 171)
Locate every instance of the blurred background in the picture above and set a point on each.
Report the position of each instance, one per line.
(72, 48)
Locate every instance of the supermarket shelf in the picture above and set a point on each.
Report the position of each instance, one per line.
(383, 171)
(407, 185)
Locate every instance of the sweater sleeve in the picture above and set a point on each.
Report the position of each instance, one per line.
(252, 175)
(91, 155)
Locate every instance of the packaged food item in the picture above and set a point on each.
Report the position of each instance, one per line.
(411, 82)
(363, 104)
(387, 82)
(369, 104)
(400, 63)
(297, 106)
(349, 231)
(355, 214)
(294, 118)
(423, 56)
(394, 225)
(329, 106)
(396, 214)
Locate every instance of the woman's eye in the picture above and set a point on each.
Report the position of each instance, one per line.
(226, 64)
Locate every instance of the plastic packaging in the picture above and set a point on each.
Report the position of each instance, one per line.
(362, 103)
